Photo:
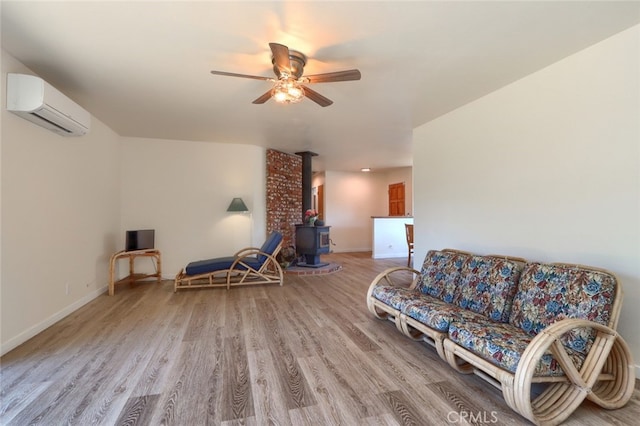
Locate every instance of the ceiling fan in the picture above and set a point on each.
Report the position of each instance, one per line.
(288, 65)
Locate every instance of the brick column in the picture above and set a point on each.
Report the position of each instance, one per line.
(284, 194)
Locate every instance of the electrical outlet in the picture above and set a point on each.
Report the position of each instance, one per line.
(67, 289)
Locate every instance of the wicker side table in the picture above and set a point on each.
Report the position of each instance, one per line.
(155, 256)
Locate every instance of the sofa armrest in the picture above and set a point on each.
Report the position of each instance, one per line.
(386, 277)
(605, 377)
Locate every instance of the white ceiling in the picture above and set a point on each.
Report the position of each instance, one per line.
(143, 67)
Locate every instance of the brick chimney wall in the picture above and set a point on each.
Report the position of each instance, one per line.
(284, 194)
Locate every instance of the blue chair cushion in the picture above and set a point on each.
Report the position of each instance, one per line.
(270, 245)
(219, 264)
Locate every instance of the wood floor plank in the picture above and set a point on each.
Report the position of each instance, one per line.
(204, 319)
(166, 347)
(346, 359)
(471, 403)
(382, 420)
(291, 322)
(591, 414)
(402, 409)
(61, 399)
(306, 353)
(414, 358)
(316, 415)
(19, 398)
(335, 401)
(138, 410)
(265, 382)
(250, 421)
(115, 382)
(237, 398)
(193, 393)
(61, 346)
(350, 328)
(294, 385)
(255, 338)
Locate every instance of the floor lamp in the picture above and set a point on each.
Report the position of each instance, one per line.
(238, 206)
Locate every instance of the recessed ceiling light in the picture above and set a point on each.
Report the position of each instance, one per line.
(365, 169)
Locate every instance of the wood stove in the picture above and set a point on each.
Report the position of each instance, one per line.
(311, 242)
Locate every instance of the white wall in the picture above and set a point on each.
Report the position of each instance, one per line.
(182, 190)
(60, 217)
(351, 198)
(546, 168)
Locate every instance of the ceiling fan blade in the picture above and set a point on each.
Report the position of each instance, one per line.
(329, 77)
(262, 99)
(233, 74)
(281, 57)
(317, 97)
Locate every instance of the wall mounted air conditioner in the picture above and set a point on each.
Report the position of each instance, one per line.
(34, 99)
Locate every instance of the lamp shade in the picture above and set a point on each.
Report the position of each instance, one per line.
(237, 205)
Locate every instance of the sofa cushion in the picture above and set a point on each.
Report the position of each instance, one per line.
(548, 293)
(503, 344)
(487, 286)
(435, 313)
(396, 297)
(440, 273)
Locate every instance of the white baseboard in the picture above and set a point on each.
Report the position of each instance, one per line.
(351, 250)
(28, 334)
(389, 255)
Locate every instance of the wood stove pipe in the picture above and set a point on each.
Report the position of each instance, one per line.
(307, 174)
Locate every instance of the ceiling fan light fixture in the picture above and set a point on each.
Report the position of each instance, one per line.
(287, 91)
(288, 66)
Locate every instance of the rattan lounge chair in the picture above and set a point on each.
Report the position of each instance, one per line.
(246, 267)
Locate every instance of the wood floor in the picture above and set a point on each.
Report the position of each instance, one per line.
(307, 353)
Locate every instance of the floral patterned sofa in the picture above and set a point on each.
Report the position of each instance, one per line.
(517, 324)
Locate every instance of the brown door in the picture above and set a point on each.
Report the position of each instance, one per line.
(321, 201)
(396, 199)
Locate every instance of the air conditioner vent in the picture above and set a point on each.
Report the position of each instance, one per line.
(35, 100)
